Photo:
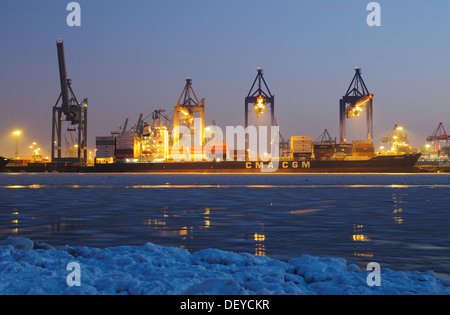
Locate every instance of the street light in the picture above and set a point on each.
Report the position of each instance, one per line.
(17, 133)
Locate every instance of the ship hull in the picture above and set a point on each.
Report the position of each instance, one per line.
(3, 162)
(378, 164)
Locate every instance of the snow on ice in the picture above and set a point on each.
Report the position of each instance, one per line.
(32, 268)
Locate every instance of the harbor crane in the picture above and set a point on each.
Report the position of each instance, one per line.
(325, 138)
(187, 110)
(438, 136)
(357, 100)
(260, 98)
(396, 141)
(75, 114)
(158, 115)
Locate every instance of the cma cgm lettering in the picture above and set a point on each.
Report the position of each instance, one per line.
(281, 165)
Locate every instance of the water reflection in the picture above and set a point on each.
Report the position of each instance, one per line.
(173, 222)
(260, 246)
(398, 207)
(362, 240)
(358, 219)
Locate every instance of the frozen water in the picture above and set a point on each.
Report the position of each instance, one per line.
(399, 221)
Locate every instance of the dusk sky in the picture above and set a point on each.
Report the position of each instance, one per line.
(131, 57)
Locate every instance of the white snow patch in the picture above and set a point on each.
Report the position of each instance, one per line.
(27, 267)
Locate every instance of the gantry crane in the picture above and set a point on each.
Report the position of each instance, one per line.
(438, 136)
(260, 98)
(189, 112)
(357, 100)
(75, 114)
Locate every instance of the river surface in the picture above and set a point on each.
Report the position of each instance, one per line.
(400, 221)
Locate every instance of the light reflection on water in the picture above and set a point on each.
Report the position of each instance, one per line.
(399, 221)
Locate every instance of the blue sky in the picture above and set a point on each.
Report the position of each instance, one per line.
(130, 57)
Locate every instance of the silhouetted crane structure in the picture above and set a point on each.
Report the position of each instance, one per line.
(357, 100)
(74, 112)
(325, 138)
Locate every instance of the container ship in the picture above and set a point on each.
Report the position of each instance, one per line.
(305, 156)
(377, 164)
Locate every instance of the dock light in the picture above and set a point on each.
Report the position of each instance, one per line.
(260, 105)
(17, 133)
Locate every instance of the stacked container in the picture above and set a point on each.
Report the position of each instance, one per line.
(344, 149)
(198, 153)
(192, 153)
(218, 150)
(105, 147)
(127, 146)
(363, 148)
(445, 152)
(425, 151)
(301, 146)
(323, 150)
(434, 154)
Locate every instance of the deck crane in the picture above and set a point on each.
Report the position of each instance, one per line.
(74, 112)
(357, 100)
(438, 136)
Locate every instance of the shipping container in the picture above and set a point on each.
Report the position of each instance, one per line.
(434, 153)
(105, 141)
(361, 142)
(105, 154)
(346, 149)
(218, 151)
(124, 153)
(301, 138)
(218, 148)
(301, 155)
(239, 155)
(323, 150)
(197, 149)
(301, 144)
